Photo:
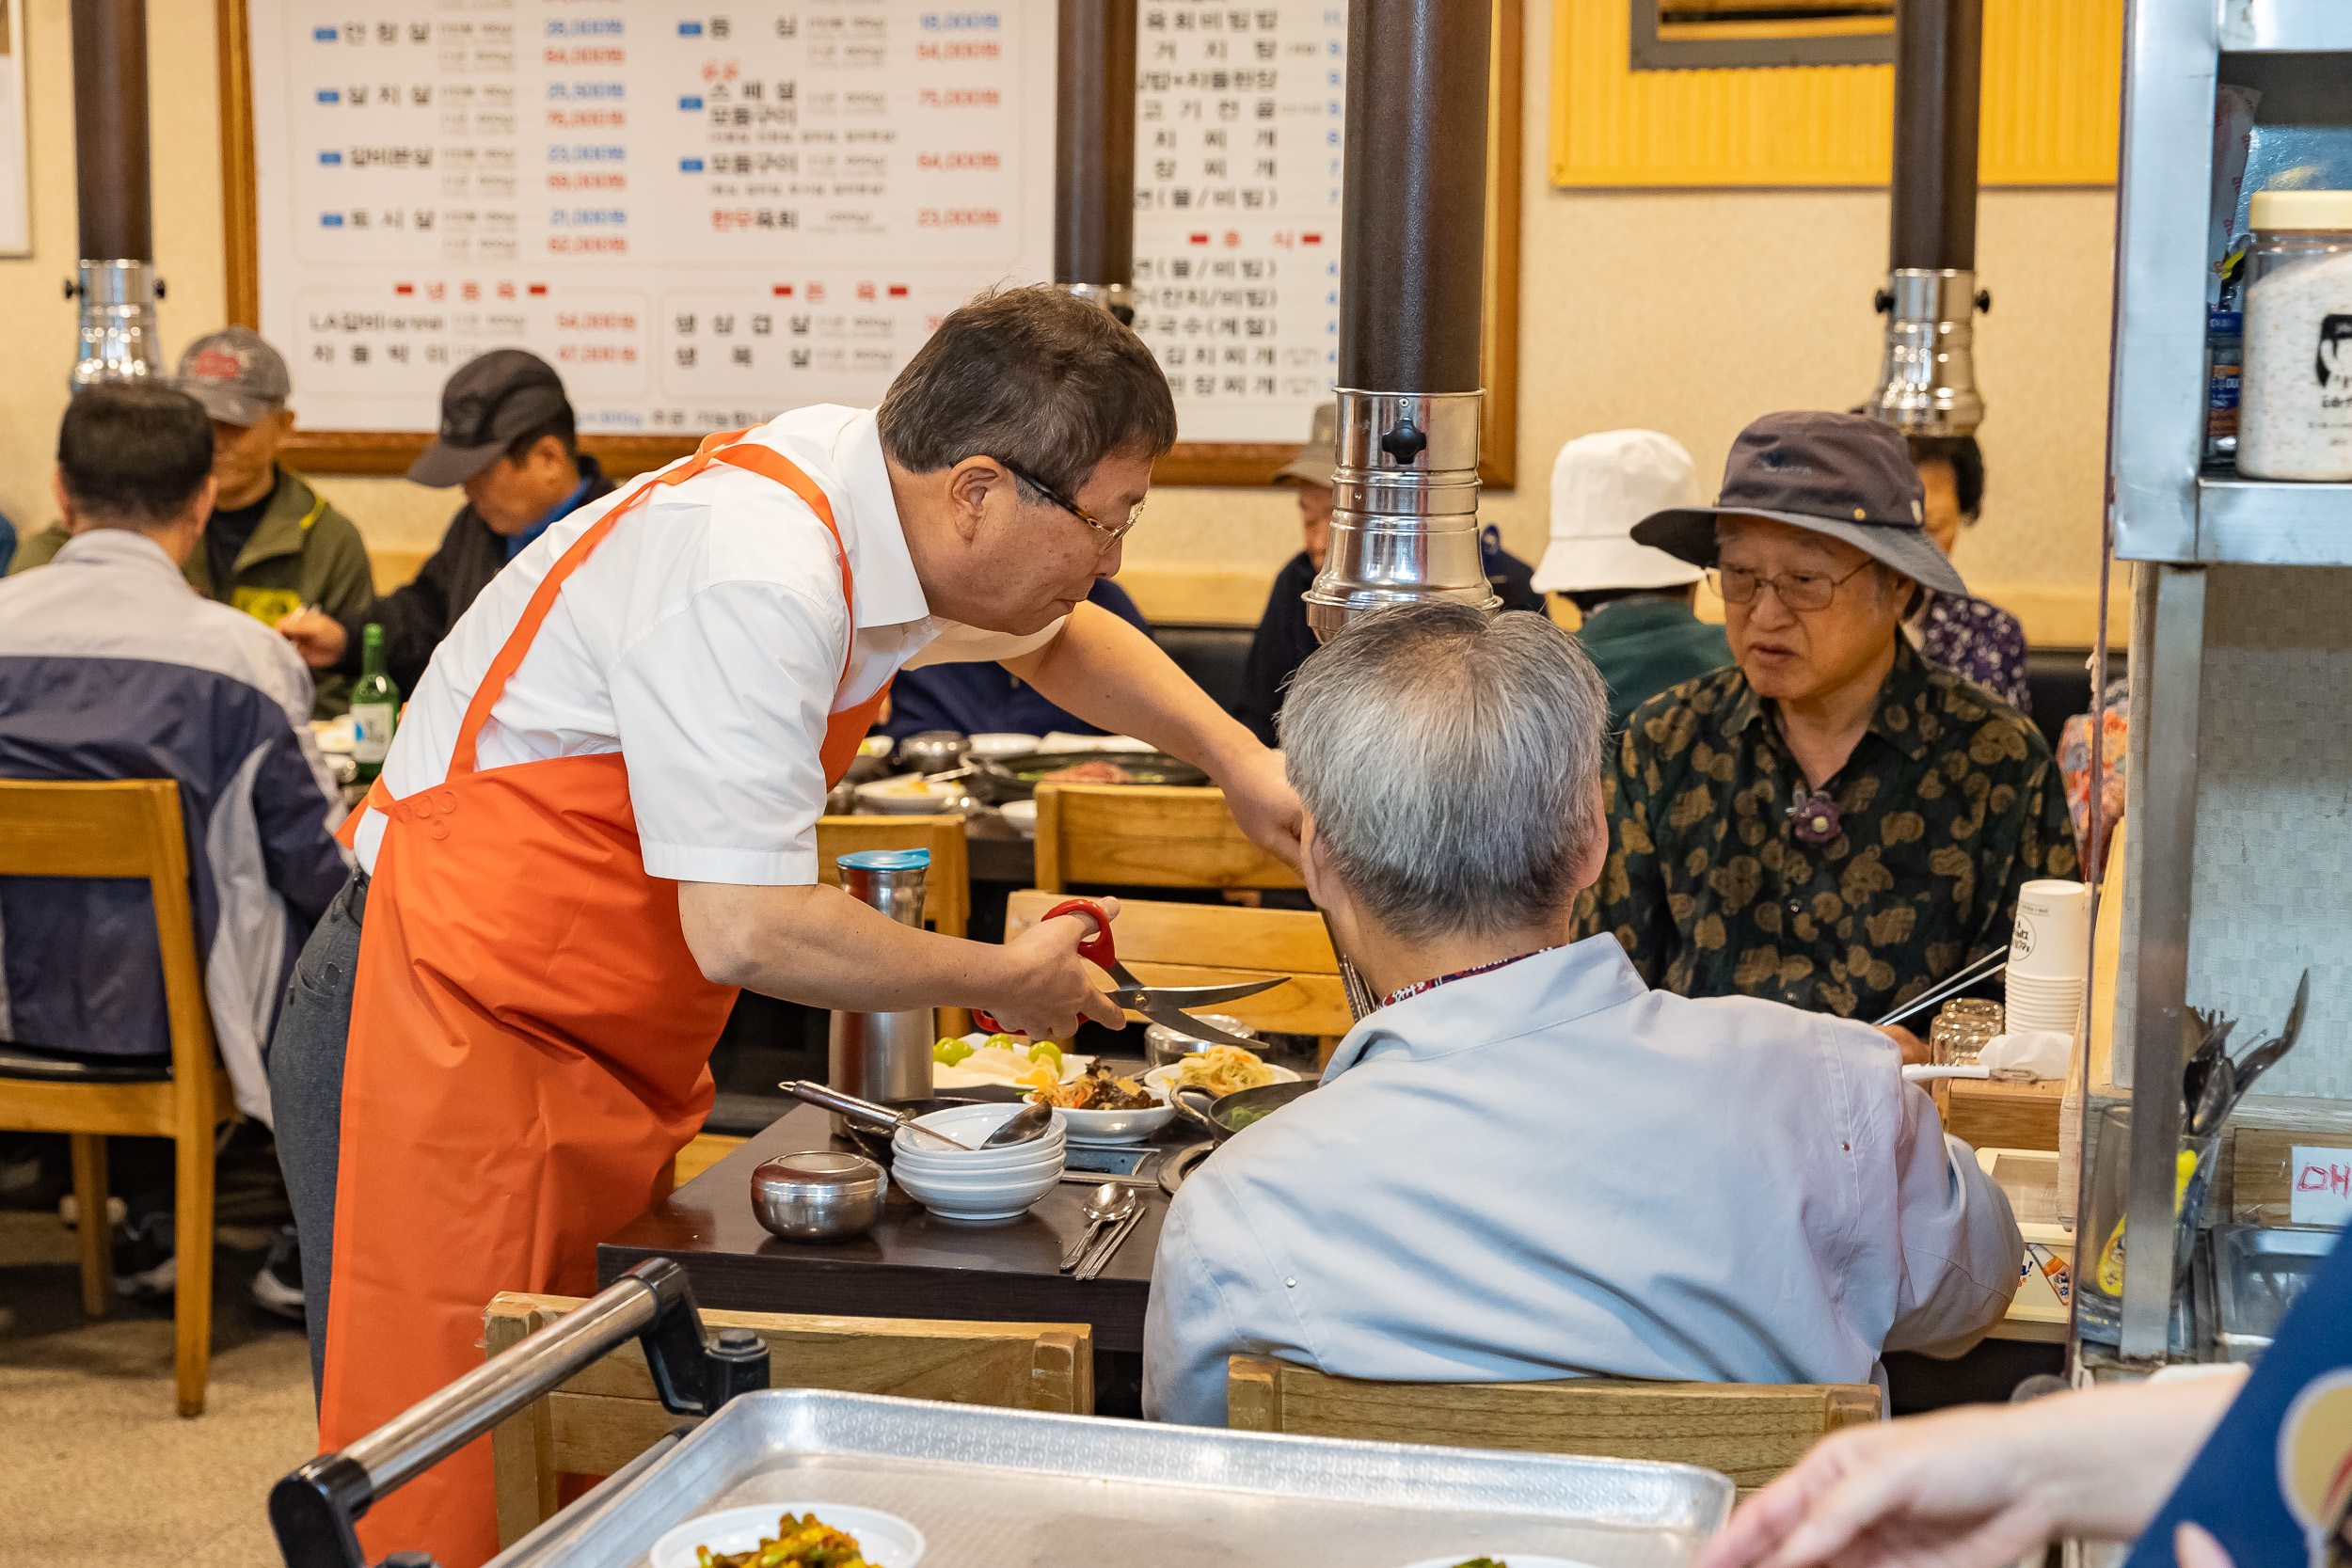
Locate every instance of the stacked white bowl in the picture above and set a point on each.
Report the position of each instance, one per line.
(985, 1183)
(2049, 957)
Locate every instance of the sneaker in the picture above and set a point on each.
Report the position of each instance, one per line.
(146, 1263)
(279, 1287)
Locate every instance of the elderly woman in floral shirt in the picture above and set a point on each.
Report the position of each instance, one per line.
(1977, 640)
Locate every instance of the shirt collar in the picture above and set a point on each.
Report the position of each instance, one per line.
(518, 543)
(888, 592)
(117, 546)
(1543, 989)
(1894, 718)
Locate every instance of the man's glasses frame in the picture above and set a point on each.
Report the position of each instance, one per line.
(1796, 590)
(1112, 533)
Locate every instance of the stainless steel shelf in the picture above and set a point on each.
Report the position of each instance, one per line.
(2261, 522)
(2286, 24)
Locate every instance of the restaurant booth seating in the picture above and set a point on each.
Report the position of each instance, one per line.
(609, 1414)
(1751, 1431)
(127, 828)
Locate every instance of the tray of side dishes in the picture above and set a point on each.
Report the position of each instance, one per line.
(1007, 1488)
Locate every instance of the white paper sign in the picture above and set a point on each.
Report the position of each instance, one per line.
(2321, 1186)
(699, 218)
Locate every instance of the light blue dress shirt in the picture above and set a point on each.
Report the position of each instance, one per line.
(1550, 1170)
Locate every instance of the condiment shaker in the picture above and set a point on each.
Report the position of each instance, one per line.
(884, 1057)
(2295, 390)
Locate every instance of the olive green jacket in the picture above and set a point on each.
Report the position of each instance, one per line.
(302, 552)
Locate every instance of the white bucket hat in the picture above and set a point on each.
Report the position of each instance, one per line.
(1601, 486)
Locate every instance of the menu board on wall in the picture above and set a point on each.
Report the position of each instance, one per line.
(698, 218)
(704, 218)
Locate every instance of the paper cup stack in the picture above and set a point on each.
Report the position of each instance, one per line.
(2048, 957)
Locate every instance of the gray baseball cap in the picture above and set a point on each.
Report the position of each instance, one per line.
(236, 376)
(1313, 463)
(1842, 475)
(491, 400)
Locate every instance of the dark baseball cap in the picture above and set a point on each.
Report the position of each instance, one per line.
(491, 400)
(236, 376)
(1842, 475)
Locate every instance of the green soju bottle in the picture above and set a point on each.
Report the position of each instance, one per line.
(374, 708)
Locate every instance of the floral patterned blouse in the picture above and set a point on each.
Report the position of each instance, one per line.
(1979, 642)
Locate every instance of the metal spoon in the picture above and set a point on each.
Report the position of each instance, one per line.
(1104, 1204)
(1125, 1204)
(1025, 1126)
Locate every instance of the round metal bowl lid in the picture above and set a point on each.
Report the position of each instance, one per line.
(886, 860)
(818, 1168)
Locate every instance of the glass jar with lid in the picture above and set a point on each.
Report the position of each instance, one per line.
(2295, 391)
(1962, 1029)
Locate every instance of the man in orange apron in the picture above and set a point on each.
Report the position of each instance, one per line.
(599, 819)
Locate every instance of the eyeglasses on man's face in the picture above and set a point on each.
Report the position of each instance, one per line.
(1112, 533)
(1795, 590)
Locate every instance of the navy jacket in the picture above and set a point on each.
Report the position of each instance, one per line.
(985, 699)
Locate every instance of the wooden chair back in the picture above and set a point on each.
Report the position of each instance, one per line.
(1218, 944)
(946, 891)
(127, 828)
(1147, 835)
(1751, 1431)
(608, 1414)
(130, 829)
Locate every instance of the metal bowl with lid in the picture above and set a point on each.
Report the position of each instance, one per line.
(1163, 1045)
(819, 1196)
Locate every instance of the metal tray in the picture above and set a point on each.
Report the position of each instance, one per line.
(1005, 1488)
(2257, 1274)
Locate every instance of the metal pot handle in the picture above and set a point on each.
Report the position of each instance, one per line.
(1176, 1093)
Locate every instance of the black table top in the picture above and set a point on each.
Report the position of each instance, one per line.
(911, 1264)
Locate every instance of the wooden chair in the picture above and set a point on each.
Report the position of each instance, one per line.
(1216, 944)
(946, 891)
(1751, 1431)
(1147, 835)
(608, 1414)
(129, 830)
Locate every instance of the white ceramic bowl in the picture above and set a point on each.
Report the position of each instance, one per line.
(1000, 743)
(883, 795)
(1164, 1080)
(883, 1539)
(972, 1125)
(1121, 1126)
(1041, 1155)
(958, 1197)
(1022, 815)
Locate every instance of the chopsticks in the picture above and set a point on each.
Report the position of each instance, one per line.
(1109, 1245)
(1984, 969)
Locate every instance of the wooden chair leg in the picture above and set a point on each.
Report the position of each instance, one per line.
(94, 1235)
(192, 1303)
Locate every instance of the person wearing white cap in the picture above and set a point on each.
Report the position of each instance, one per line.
(1639, 630)
(1283, 639)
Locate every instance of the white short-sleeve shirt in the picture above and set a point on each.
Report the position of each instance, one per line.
(704, 640)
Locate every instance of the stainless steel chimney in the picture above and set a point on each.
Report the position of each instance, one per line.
(1928, 380)
(1094, 154)
(116, 277)
(1412, 248)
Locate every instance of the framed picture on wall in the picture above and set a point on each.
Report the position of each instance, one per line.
(701, 222)
(16, 194)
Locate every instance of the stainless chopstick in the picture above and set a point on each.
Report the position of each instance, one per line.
(1984, 969)
(1109, 1246)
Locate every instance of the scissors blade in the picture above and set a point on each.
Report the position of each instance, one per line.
(1188, 996)
(1191, 1028)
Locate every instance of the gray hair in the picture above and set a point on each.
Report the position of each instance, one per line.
(1449, 760)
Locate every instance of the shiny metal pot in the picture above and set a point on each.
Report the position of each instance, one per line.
(819, 1196)
(1163, 1045)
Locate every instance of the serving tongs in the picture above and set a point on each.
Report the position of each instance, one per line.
(1164, 1005)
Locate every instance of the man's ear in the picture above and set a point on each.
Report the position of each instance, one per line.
(1596, 836)
(1315, 867)
(969, 484)
(66, 518)
(202, 510)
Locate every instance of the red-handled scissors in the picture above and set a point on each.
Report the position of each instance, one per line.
(1160, 1004)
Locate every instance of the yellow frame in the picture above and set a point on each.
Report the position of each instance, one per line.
(2051, 115)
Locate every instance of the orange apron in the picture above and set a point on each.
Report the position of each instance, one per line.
(529, 1046)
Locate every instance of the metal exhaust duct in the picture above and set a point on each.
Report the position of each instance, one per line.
(1094, 154)
(1928, 380)
(1412, 248)
(115, 282)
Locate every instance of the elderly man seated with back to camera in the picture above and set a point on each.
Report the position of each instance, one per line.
(1526, 1163)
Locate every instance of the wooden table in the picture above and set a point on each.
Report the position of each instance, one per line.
(911, 1264)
